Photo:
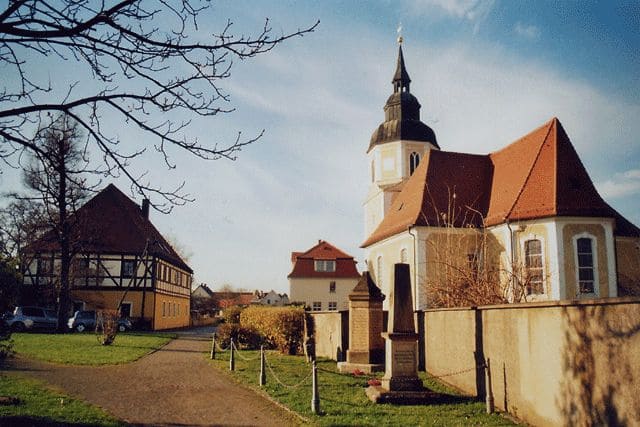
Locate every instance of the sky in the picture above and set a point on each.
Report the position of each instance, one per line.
(485, 72)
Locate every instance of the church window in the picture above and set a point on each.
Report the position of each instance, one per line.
(414, 160)
(533, 266)
(373, 171)
(379, 272)
(586, 273)
(403, 256)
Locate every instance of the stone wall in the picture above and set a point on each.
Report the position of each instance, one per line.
(553, 363)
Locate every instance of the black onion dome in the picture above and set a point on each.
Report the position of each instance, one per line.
(402, 113)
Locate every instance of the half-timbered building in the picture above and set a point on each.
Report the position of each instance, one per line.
(120, 259)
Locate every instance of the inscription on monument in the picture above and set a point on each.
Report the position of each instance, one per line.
(404, 358)
(360, 333)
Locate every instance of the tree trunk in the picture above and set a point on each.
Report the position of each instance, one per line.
(65, 252)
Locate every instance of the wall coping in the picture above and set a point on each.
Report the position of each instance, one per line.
(541, 304)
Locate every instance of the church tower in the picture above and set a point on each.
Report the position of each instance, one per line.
(397, 146)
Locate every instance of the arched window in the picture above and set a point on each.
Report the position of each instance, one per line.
(414, 160)
(403, 256)
(373, 171)
(379, 272)
(533, 265)
(586, 276)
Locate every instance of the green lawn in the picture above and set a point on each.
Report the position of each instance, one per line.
(342, 397)
(84, 349)
(39, 406)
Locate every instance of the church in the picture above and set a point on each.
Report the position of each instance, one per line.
(524, 223)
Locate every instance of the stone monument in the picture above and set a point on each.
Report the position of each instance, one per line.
(400, 383)
(366, 345)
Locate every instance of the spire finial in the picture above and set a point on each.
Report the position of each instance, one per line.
(399, 31)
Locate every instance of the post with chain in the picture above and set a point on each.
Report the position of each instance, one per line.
(213, 346)
(315, 396)
(263, 375)
(489, 393)
(232, 360)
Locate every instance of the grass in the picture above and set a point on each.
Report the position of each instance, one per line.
(342, 397)
(84, 349)
(39, 405)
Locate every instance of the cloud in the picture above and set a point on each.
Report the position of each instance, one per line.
(526, 31)
(620, 185)
(473, 11)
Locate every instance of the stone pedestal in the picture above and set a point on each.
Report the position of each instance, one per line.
(366, 346)
(400, 383)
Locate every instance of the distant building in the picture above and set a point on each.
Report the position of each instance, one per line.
(270, 298)
(202, 291)
(322, 277)
(120, 254)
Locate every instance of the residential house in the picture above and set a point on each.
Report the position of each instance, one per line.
(120, 256)
(202, 291)
(270, 298)
(322, 277)
(528, 210)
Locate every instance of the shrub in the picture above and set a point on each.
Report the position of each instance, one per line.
(244, 337)
(282, 327)
(6, 344)
(232, 314)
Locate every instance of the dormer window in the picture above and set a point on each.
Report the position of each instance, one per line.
(414, 160)
(327, 266)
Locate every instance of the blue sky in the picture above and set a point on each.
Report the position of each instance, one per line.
(485, 73)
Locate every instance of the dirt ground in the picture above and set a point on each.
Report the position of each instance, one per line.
(172, 386)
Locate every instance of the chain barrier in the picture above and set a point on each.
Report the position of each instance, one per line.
(295, 386)
(248, 359)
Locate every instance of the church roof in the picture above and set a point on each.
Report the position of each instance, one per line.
(540, 175)
(303, 262)
(110, 222)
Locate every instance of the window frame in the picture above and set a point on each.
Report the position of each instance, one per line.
(324, 265)
(128, 303)
(414, 161)
(332, 306)
(527, 267)
(332, 287)
(316, 306)
(594, 267)
(123, 272)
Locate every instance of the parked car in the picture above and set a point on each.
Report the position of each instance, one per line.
(86, 320)
(32, 318)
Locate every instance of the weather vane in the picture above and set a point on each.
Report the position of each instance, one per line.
(399, 31)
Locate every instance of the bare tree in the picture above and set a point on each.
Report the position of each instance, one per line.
(56, 178)
(134, 66)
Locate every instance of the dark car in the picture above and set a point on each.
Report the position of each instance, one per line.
(32, 318)
(86, 320)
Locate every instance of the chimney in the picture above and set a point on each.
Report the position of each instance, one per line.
(145, 208)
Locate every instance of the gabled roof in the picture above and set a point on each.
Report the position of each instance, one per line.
(303, 262)
(204, 288)
(540, 175)
(110, 222)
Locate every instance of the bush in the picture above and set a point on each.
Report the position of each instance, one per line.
(282, 327)
(245, 338)
(232, 314)
(6, 344)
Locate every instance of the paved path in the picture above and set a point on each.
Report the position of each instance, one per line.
(174, 385)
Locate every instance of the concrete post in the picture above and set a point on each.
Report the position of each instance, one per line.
(232, 360)
(315, 396)
(213, 346)
(263, 375)
(490, 403)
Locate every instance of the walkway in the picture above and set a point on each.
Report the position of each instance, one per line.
(174, 385)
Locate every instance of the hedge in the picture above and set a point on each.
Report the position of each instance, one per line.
(282, 327)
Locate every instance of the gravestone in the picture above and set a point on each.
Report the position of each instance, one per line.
(400, 383)
(366, 345)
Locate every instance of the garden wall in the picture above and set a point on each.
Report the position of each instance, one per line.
(553, 363)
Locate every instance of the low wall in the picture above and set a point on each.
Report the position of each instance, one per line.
(558, 363)
(331, 333)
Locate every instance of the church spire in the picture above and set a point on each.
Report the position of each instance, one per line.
(401, 78)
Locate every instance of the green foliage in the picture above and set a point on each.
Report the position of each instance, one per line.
(282, 327)
(243, 337)
(9, 289)
(232, 314)
(343, 401)
(84, 349)
(38, 405)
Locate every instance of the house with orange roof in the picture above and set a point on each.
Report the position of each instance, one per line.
(119, 256)
(322, 277)
(529, 210)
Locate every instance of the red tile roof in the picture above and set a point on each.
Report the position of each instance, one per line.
(304, 266)
(110, 222)
(538, 176)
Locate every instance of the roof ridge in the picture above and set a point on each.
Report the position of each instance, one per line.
(533, 164)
